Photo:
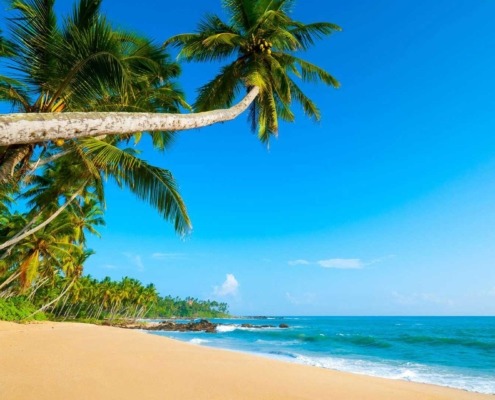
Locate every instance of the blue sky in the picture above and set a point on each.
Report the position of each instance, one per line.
(386, 207)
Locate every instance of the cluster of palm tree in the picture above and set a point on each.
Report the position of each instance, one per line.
(83, 92)
(52, 192)
(189, 307)
(106, 299)
(128, 299)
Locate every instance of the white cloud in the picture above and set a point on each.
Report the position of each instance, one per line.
(299, 262)
(167, 256)
(109, 266)
(136, 260)
(342, 263)
(230, 287)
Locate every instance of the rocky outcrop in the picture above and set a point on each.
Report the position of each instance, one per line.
(194, 326)
(199, 326)
(257, 326)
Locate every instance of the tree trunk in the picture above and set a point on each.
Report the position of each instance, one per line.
(53, 301)
(61, 309)
(39, 284)
(11, 278)
(13, 158)
(78, 310)
(19, 237)
(41, 127)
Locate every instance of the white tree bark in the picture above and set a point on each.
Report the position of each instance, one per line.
(53, 301)
(34, 128)
(20, 236)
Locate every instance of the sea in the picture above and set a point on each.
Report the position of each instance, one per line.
(457, 352)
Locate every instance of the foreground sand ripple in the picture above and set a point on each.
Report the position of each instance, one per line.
(81, 362)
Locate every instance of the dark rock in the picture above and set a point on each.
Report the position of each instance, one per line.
(257, 326)
(193, 326)
(200, 326)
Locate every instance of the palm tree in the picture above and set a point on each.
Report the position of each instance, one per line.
(47, 253)
(261, 36)
(86, 65)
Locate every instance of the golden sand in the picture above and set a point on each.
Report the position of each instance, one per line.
(72, 361)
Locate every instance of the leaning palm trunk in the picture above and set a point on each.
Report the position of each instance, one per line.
(39, 284)
(78, 310)
(59, 311)
(8, 293)
(26, 227)
(41, 127)
(17, 238)
(54, 301)
(10, 279)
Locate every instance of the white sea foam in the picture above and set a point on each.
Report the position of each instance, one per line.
(409, 372)
(407, 375)
(226, 328)
(231, 328)
(243, 328)
(199, 341)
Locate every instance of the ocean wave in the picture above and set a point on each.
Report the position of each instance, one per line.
(356, 340)
(409, 371)
(226, 328)
(199, 341)
(448, 341)
(284, 354)
(232, 328)
(364, 341)
(457, 353)
(277, 342)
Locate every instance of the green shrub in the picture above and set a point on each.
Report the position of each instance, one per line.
(19, 309)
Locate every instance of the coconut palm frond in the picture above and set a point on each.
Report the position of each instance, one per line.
(222, 90)
(307, 34)
(313, 73)
(264, 37)
(309, 107)
(149, 183)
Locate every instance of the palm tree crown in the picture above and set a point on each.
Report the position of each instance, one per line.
(262, 38)
(85, 65)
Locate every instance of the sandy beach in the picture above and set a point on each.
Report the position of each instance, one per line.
(80, 362)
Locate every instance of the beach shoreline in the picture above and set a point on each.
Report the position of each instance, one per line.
(81, 361)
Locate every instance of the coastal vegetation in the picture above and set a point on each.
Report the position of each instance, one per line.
(112, 87)
(89, 299)
(19, 309)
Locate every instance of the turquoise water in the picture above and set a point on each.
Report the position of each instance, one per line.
(457, 352)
